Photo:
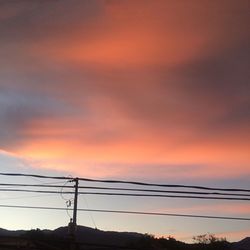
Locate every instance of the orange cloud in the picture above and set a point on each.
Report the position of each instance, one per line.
(129, 34)
(158, 83)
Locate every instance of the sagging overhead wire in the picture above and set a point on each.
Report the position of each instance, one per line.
(130, 212)
(122, 189)
(36, 176)
(166, 196)
(68, 202)
(33, 191)
(164, 185)
(129, 194)
(90, 213)
(129, 182)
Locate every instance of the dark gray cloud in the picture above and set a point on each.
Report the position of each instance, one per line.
(219, 82)
(37, 20)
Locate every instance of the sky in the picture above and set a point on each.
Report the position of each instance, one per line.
(142, 90)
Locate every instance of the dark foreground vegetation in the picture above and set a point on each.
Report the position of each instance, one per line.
(202, 242)
(94, 239)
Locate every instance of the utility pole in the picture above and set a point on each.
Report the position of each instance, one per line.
(73, 223)
(75, 203)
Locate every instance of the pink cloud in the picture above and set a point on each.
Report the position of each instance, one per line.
(134, 84)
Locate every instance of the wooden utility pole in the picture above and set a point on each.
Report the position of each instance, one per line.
(75, 203)
(73, 223)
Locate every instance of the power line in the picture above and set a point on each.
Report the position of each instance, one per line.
(130, 212)
(34, 185)
(68, 202)
(128, 194)
(34, 191)
(164, 185)
(37, 176)
(128, 182)
(123, 189)
(167, 214)
(162, 191)
(167, 196)
(90, 214)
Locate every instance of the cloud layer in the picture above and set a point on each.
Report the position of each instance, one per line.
(127, 83)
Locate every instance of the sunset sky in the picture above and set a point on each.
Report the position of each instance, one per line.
(146, 90)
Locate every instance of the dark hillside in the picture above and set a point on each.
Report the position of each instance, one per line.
(94, 239)
(241, 245)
